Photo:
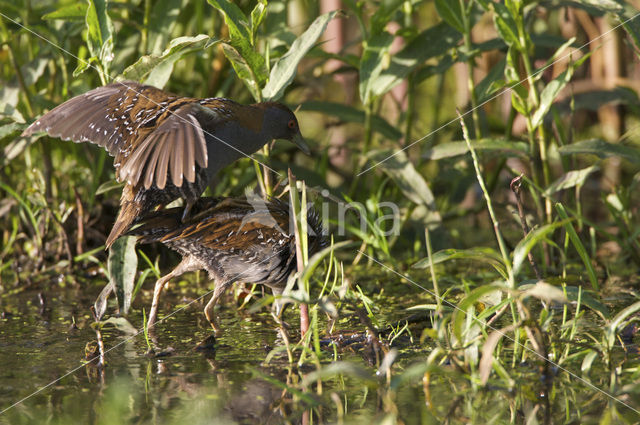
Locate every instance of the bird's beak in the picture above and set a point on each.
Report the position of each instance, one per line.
(299, 141)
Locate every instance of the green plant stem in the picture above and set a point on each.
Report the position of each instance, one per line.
(368, 131)
(20, 77)
(470, 66)
(409, 112)
(542, 135)
(368, 135)
(577, 243)
(144, 33)
(494, 220)
(434, 278)
(268, 189)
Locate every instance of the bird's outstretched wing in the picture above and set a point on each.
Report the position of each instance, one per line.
(150, 132)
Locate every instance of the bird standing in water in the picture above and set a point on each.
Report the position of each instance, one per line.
(165, 146)
(234, 240)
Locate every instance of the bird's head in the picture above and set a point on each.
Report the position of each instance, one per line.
(281, 123)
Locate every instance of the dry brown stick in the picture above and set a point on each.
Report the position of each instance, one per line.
(79, 223)
(515, 185)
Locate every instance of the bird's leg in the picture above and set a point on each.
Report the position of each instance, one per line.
(278, 304)
(187, 208)
(188, 264)
(278, 308)
(208, 310)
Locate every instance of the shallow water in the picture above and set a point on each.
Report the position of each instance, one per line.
(234, 383)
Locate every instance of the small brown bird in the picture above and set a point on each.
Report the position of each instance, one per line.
(165, 146)
(234, 240)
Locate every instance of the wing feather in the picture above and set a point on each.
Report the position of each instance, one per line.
(78, 118)
(181, 152)
(161, 168)
(189, 164)
(153, 160)
(200, 145)
(176, 157)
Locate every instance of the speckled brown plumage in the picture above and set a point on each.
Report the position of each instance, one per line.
(233, 239)
(165, 146)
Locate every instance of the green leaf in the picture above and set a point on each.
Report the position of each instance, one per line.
(99, 32)
(467, 302)
(109, 186)
(10, 91)
(588, 360)
(155, 70)
(339, 368)
(606, 6)
(257, 16)
(243, 69)
(122, 264)
(574, 293)
(549, 94)
(120, 323)
(383, 14)
(100, 304)
(483, 255)
(10, 128)
(285, 69)
(235, 19)
(544, 291)
(75, 11)
(350, 114)
(619, 320)
(632, 27)
(528, 242)
(83, 65)
(248, 63)
(602, 149)
(593, 100)
(162, 20)
(492, 83)
(487, 360)
(500, 146)
(431, 43)
(506, 25)
(397, 166)
(14, 147)
(570, 179)
(451, 12)
(374, 59)
(551, 91)
(577, 243)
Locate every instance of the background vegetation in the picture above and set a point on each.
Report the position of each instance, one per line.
(485, 278)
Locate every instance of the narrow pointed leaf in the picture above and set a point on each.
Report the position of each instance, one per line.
(571, 179)
(285, 69)
(122, 265)
(602, 149)
(528, 242)
(451, 12)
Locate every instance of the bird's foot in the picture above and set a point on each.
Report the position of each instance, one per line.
(207, 345)
(187, 210)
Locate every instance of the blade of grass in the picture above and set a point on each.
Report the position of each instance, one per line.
(577, 243)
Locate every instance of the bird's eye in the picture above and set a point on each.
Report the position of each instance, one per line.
(292, 124)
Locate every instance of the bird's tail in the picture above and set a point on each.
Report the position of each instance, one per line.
(129, 211)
